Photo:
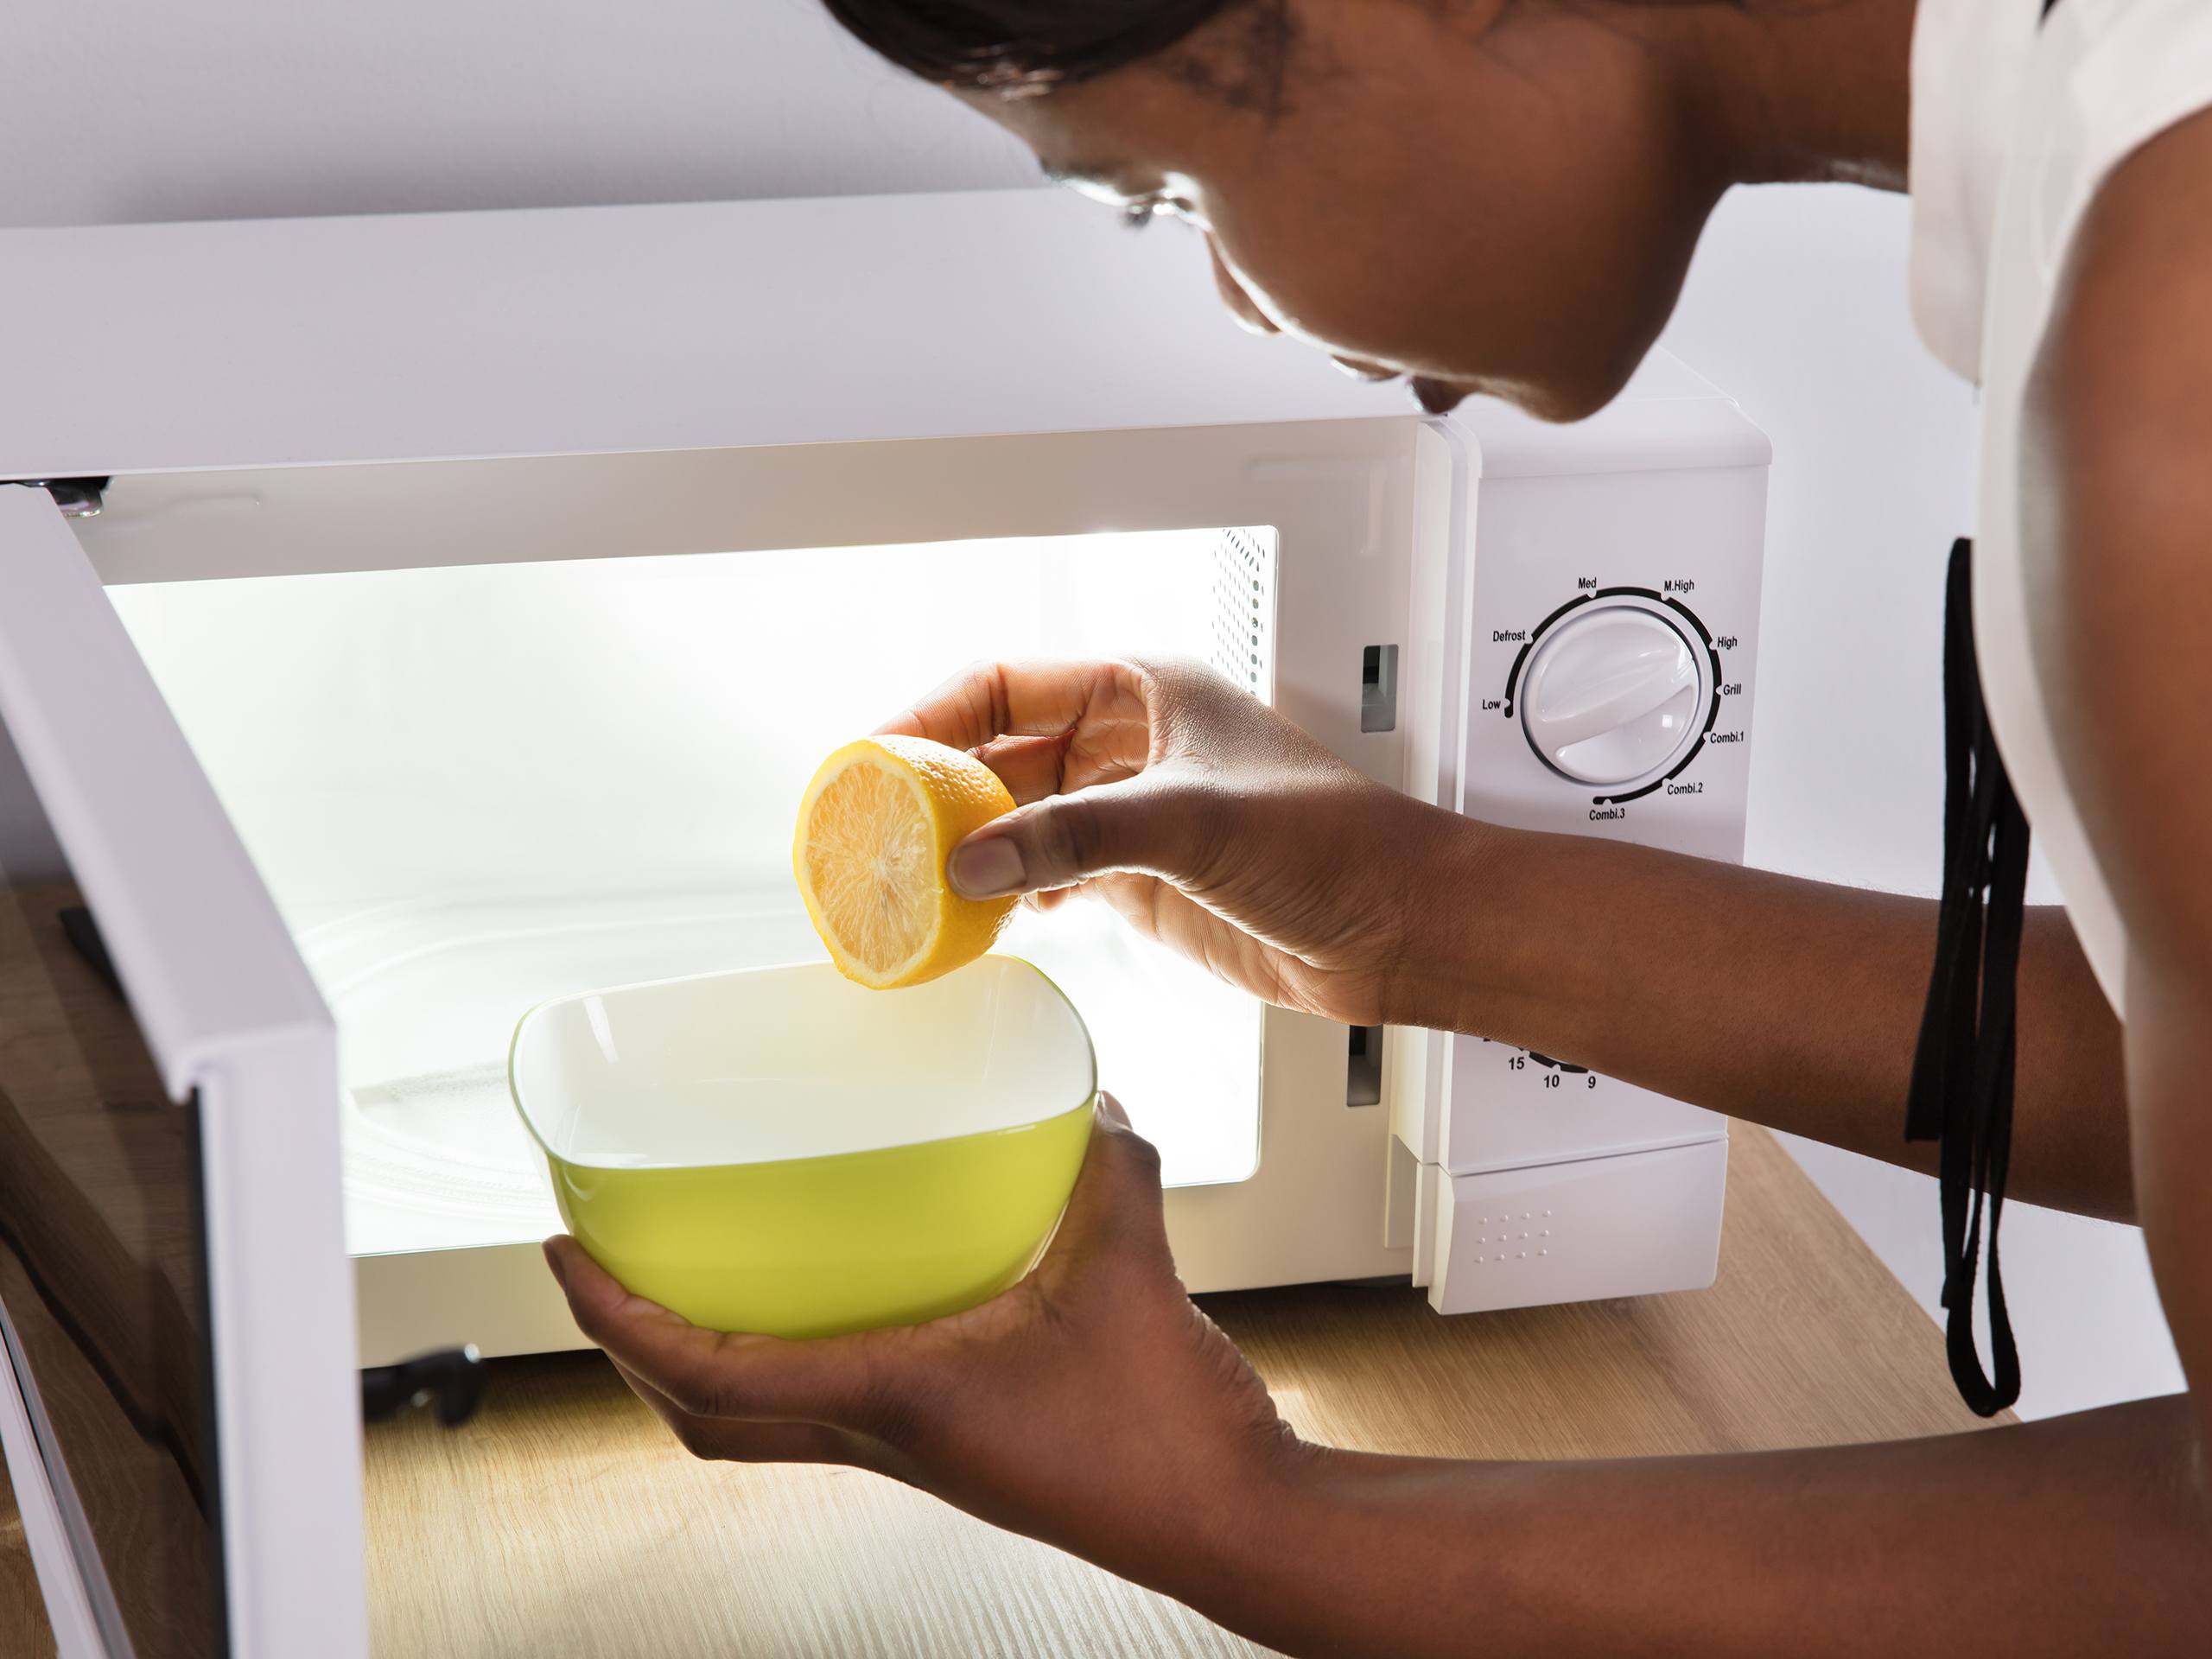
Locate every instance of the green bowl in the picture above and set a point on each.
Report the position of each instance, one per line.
(782, 1151)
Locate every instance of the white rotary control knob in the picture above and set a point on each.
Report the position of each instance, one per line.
(1612, 696)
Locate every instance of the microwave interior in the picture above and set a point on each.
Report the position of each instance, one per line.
(471, 788)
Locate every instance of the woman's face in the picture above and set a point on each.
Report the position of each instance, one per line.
(1487, 197)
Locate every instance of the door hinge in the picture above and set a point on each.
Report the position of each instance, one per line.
(77, 498)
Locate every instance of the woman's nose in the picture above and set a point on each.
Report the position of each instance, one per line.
(1241, 305)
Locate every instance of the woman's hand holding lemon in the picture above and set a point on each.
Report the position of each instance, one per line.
(1207, 820)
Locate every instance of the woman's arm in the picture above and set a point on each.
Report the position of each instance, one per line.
(2073, 1537)
(2116, 536)
(1791, 1003)
(1210, 822)
(1095, 1408)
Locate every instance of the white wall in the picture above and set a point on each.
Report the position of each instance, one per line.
(137, 110)
(127, 109)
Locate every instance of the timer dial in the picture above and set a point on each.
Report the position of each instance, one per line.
(1612, 695)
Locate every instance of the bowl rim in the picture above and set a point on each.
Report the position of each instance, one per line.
(1088, 1101)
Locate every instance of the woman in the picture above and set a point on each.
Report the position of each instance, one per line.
(1502, 196)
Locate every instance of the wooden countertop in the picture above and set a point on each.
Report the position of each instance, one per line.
(23, 1622)
(564, 1521)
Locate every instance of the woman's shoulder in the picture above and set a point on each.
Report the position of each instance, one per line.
(2105, 79)
(2018, 120)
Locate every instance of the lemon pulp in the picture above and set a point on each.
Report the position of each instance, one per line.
(875, 828)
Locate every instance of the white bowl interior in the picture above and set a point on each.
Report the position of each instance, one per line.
(795, 1062)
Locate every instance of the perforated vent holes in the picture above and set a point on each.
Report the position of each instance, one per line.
(1244, 607)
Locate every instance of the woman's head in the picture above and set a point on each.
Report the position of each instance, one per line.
(1493, 195)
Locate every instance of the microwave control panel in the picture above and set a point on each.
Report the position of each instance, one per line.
(1610, 687)
(1611, 668)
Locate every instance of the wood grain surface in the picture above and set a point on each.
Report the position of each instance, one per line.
(563, 1522)
(23, 1634)
(100, 1270)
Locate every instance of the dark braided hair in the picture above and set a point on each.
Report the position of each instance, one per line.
(1020, 44)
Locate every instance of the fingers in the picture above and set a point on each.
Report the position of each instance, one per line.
(1159, 911)
(709, 1373)
(1155, 822)
(987, 700)
(1030, 767)
(732, 1441)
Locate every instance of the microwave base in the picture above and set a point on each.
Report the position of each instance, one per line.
(1632, 1223)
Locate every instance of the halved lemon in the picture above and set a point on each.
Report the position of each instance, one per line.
(875, 828)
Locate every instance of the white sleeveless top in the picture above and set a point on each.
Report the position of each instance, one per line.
(2015, 126)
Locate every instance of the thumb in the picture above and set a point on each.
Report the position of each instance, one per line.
(1116, 1207)
(1142, 824)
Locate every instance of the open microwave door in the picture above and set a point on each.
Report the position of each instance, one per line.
(177, 1397)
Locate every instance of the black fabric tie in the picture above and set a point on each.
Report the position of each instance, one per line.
(1962, 1071)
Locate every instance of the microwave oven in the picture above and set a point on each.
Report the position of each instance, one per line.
(404, 620)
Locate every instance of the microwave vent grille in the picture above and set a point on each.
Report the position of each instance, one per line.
(1244, 609)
